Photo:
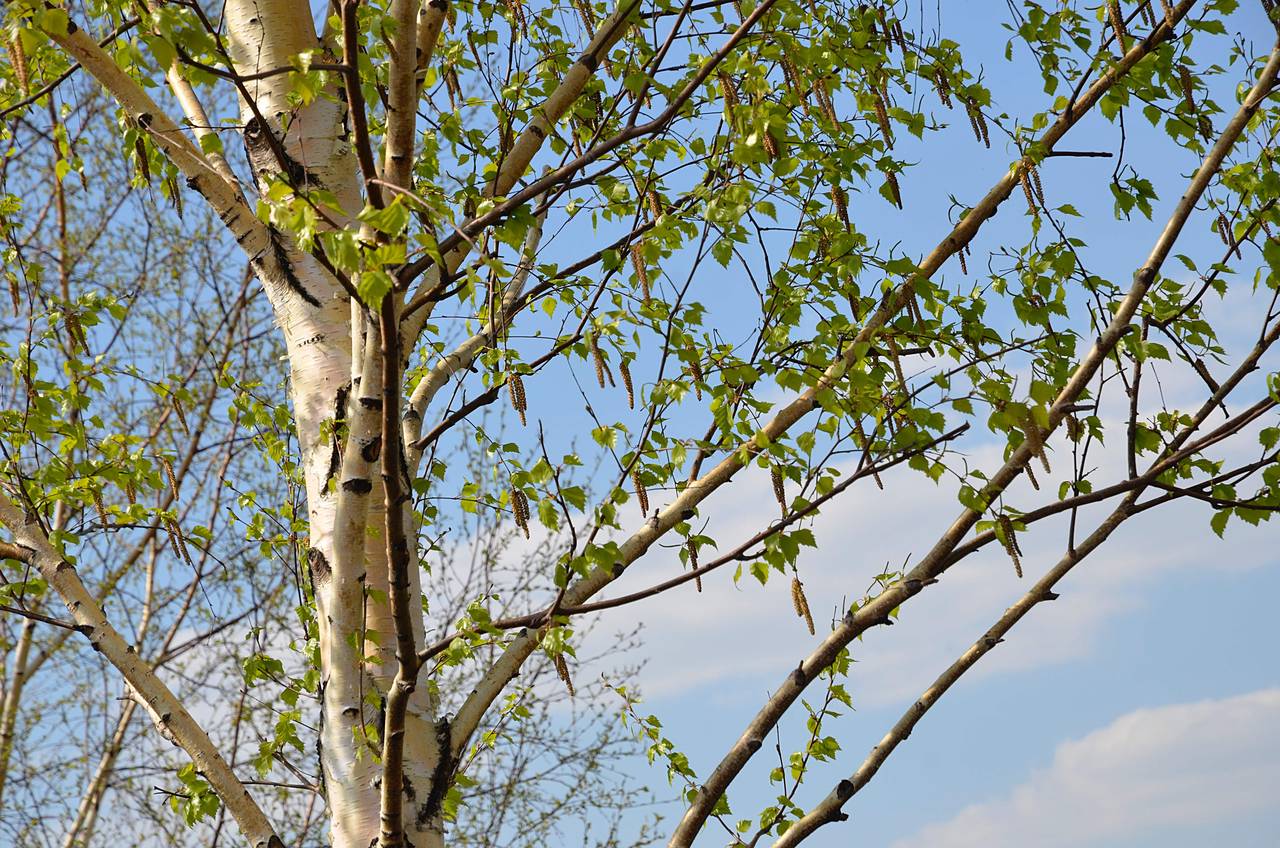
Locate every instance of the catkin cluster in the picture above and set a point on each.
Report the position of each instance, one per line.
(1010, 542)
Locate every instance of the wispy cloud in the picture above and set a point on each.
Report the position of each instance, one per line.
(1181, 765)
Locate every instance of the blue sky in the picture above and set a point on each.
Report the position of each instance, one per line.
(1141, 709)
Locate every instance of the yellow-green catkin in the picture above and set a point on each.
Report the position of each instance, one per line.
(515, 388)
(801, 604)
(1010, 542)
(520, 509)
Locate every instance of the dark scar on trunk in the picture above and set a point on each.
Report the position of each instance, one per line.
(339, 418)
(286, 268)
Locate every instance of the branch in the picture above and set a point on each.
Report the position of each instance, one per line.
(877, 610)
(168, 713)
(685, 504)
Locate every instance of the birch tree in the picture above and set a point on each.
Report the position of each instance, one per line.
(686, 219)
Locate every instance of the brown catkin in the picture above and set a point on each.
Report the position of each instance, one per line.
(15, 294)
(169, 475)
(779, 488)
(865, 443)
(625, 371)
(655, 204)
(1148, 15)
(841, 202)
(642, 494)
(695, 370)
(792, 77)
(1206, 127)
(178, 542)
(516, 9)
(982, 127)
(101, 508)
(730, 95)
(182, 417)
(899, 34)
(882, 118)
(1035, 181)
(885, 28)
(824, 101)
(642, 271)
(520, 509)
(972, 110)
(1224, 229)
(1117, 25)
(515, 387)
(770, 145)
(584, 11)
(1075, 430)
(943, 86)
(801, 604)
(1025, 179)
(562, 669)
(1010, 542)
(964, 268)
(1035, 441)
(1031, 476)
(693, 563)
(1188, 88)
(18, 59)
(894, 188)
(453, 87)
(129, 494)
(597, 357)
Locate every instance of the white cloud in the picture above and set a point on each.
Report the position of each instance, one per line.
(1176, 766)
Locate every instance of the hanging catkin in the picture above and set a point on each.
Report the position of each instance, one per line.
(169, 475)
(625, 371)
(1117, 25)
(693, 563)
(520, 509)
(584, 11)
(894, 189)
(641, 269)
(943, 87)
(801, 604)
(779, 488)
(1188, 88)
(882, 118)
(841, 202)
(597, 357)
(1025, 179)
(562, 669)
(1035, 181)
(1148, 15)
(18, 59)
(178, 542)
(101, 508)
(695, 370)
(655, 204)
(515, 387)
(730, 95)
(516, 10)
(1035, 441)
(642, 494)
(1010, 542)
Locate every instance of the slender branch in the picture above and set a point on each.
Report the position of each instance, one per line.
(927, 570)
(167, 711)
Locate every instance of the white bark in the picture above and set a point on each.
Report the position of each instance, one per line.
(332, 349)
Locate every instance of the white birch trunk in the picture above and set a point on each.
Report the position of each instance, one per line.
(344, 494)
